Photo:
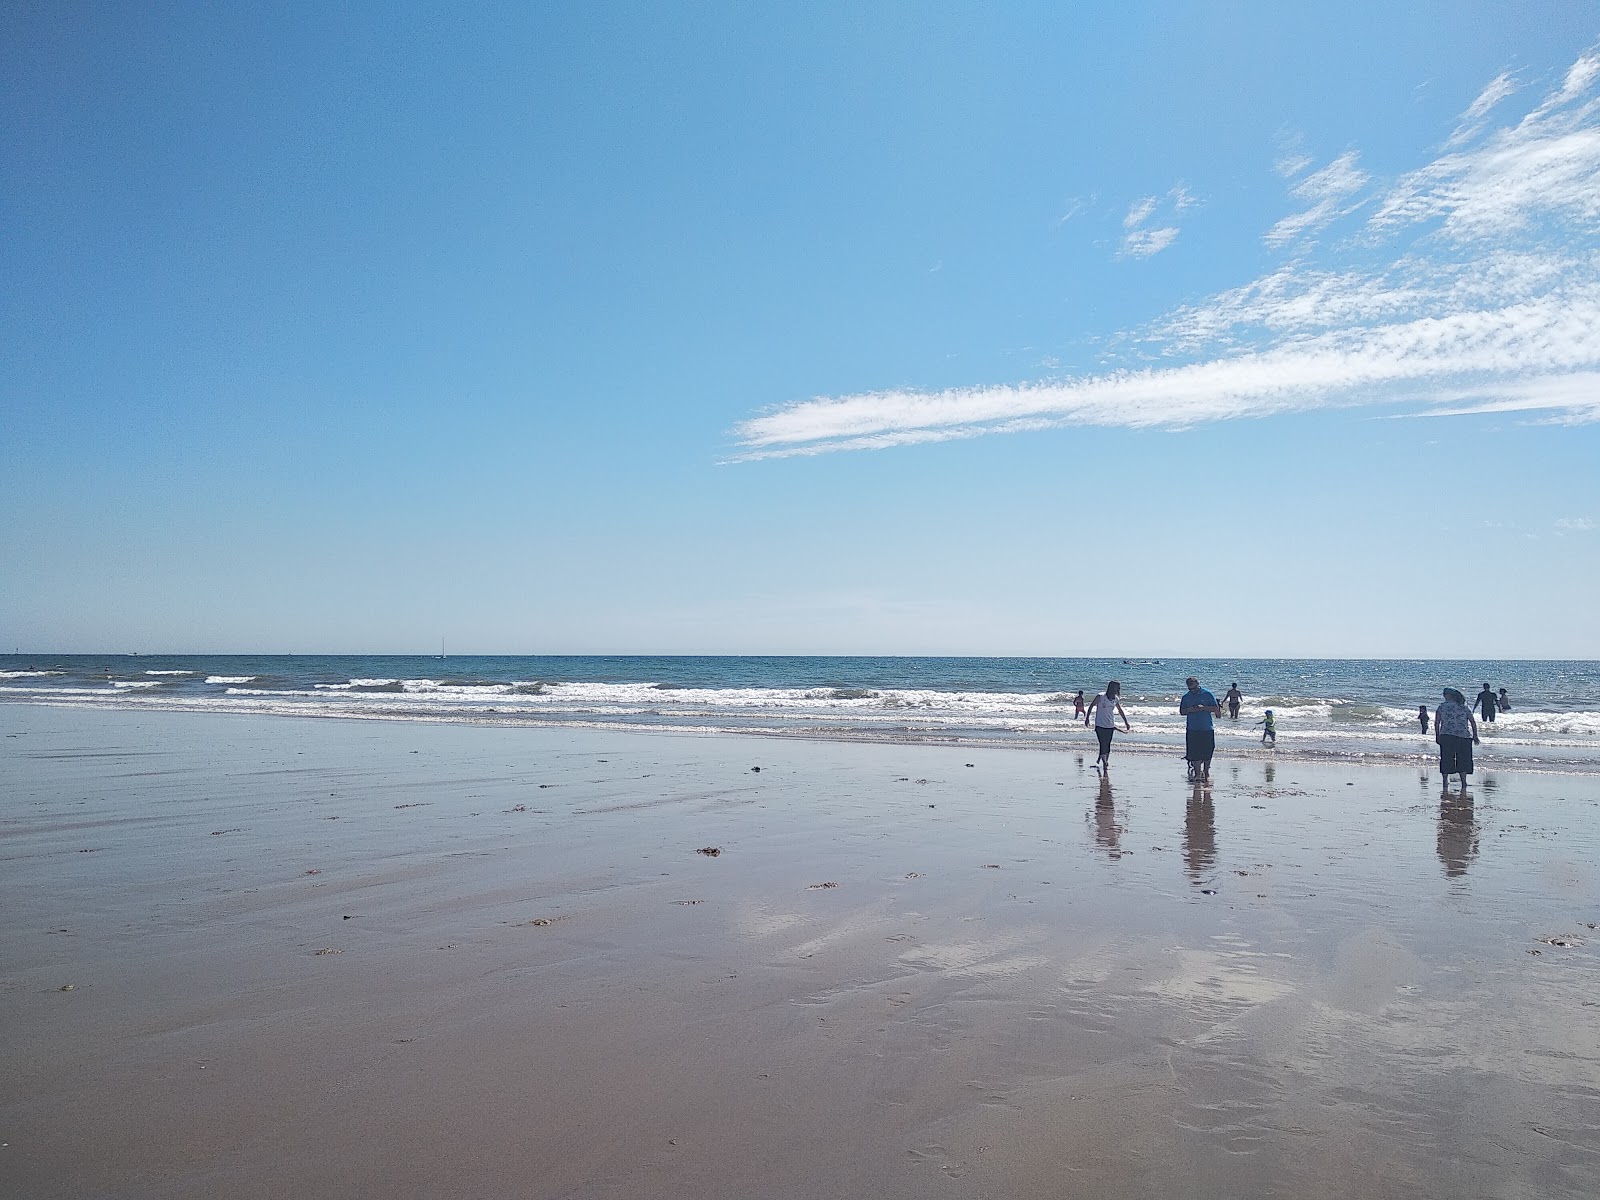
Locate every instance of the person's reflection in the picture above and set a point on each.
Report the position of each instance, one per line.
(1107, 830)
(1458, 832)
(1199, 834)
(1270, 770)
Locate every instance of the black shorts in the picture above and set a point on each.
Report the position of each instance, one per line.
(1199, 744)
(1104, 732)
(1455, 755)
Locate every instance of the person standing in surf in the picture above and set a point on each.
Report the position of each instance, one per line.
(1105, 708)
(1487, 703)
(1234, 699)
(1456, 732)
(1197, 707)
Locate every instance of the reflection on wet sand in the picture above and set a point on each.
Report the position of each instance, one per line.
(1107, 829)
(1199, 833)
(1458, 832)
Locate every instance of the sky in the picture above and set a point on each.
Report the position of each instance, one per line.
(1019, 328)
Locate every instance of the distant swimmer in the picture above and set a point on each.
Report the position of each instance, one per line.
(1234, 699)
(1456, 732)
(1504, 701)
(1106, 708)
(1077, 708)
(1422, 717)
(1269, 729)
(1197, 706)
(1486, 703)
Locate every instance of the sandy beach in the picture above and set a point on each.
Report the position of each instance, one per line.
(262, 957)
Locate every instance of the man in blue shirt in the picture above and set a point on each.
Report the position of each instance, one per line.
(1197, 707)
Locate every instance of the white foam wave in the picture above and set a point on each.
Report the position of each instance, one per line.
(172, 672)
(28, 674)
(1319, 728)
(61, 691)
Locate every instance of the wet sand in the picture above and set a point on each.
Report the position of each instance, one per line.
(271, 957)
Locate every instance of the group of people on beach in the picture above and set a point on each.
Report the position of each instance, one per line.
(1197, 707)
(1455, 727)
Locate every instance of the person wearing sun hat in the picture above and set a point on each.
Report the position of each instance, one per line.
(1456, 732)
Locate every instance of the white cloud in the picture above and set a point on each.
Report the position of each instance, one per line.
(1579, 77)
(1139, 212)
(1572, 398)
(1544, 168)
(1499, 88)
(1296, 299)
(1340, 368)
(1291, 165)
(1327, 190)
(1142, 243)
(1139, 242)
(1575, 524)
(1492, 307)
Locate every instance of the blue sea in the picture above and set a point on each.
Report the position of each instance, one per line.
(1356, 710)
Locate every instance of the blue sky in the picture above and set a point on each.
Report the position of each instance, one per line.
(1028, 329)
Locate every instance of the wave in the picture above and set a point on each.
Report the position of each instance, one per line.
(1362, 712)
(172, 672)
(1307, 726)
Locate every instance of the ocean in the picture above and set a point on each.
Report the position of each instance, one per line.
(1355, 710)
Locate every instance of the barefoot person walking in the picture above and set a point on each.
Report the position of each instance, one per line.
(1197, 707)
(1456, 732)
(1105, 708)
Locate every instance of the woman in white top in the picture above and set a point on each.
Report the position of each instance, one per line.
(1105, 708)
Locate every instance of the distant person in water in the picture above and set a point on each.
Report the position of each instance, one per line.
(1457, 733)
(1105, 708)
(1486, 703)
(1269, 729)
(1234, 699)
(1503, 702)
(1197, 707)
(1422, 717)
(1077, 708)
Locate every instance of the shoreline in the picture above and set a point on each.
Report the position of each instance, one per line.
(1082, 738)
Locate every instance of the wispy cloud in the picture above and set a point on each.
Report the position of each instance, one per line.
(1074, 206)
(1485, 299)
(1291, 165)
(1575, 524)
(1499, 88)
(1329, 191)
(1141, 241)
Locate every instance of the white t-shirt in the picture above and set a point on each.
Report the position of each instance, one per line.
(1105, 712)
